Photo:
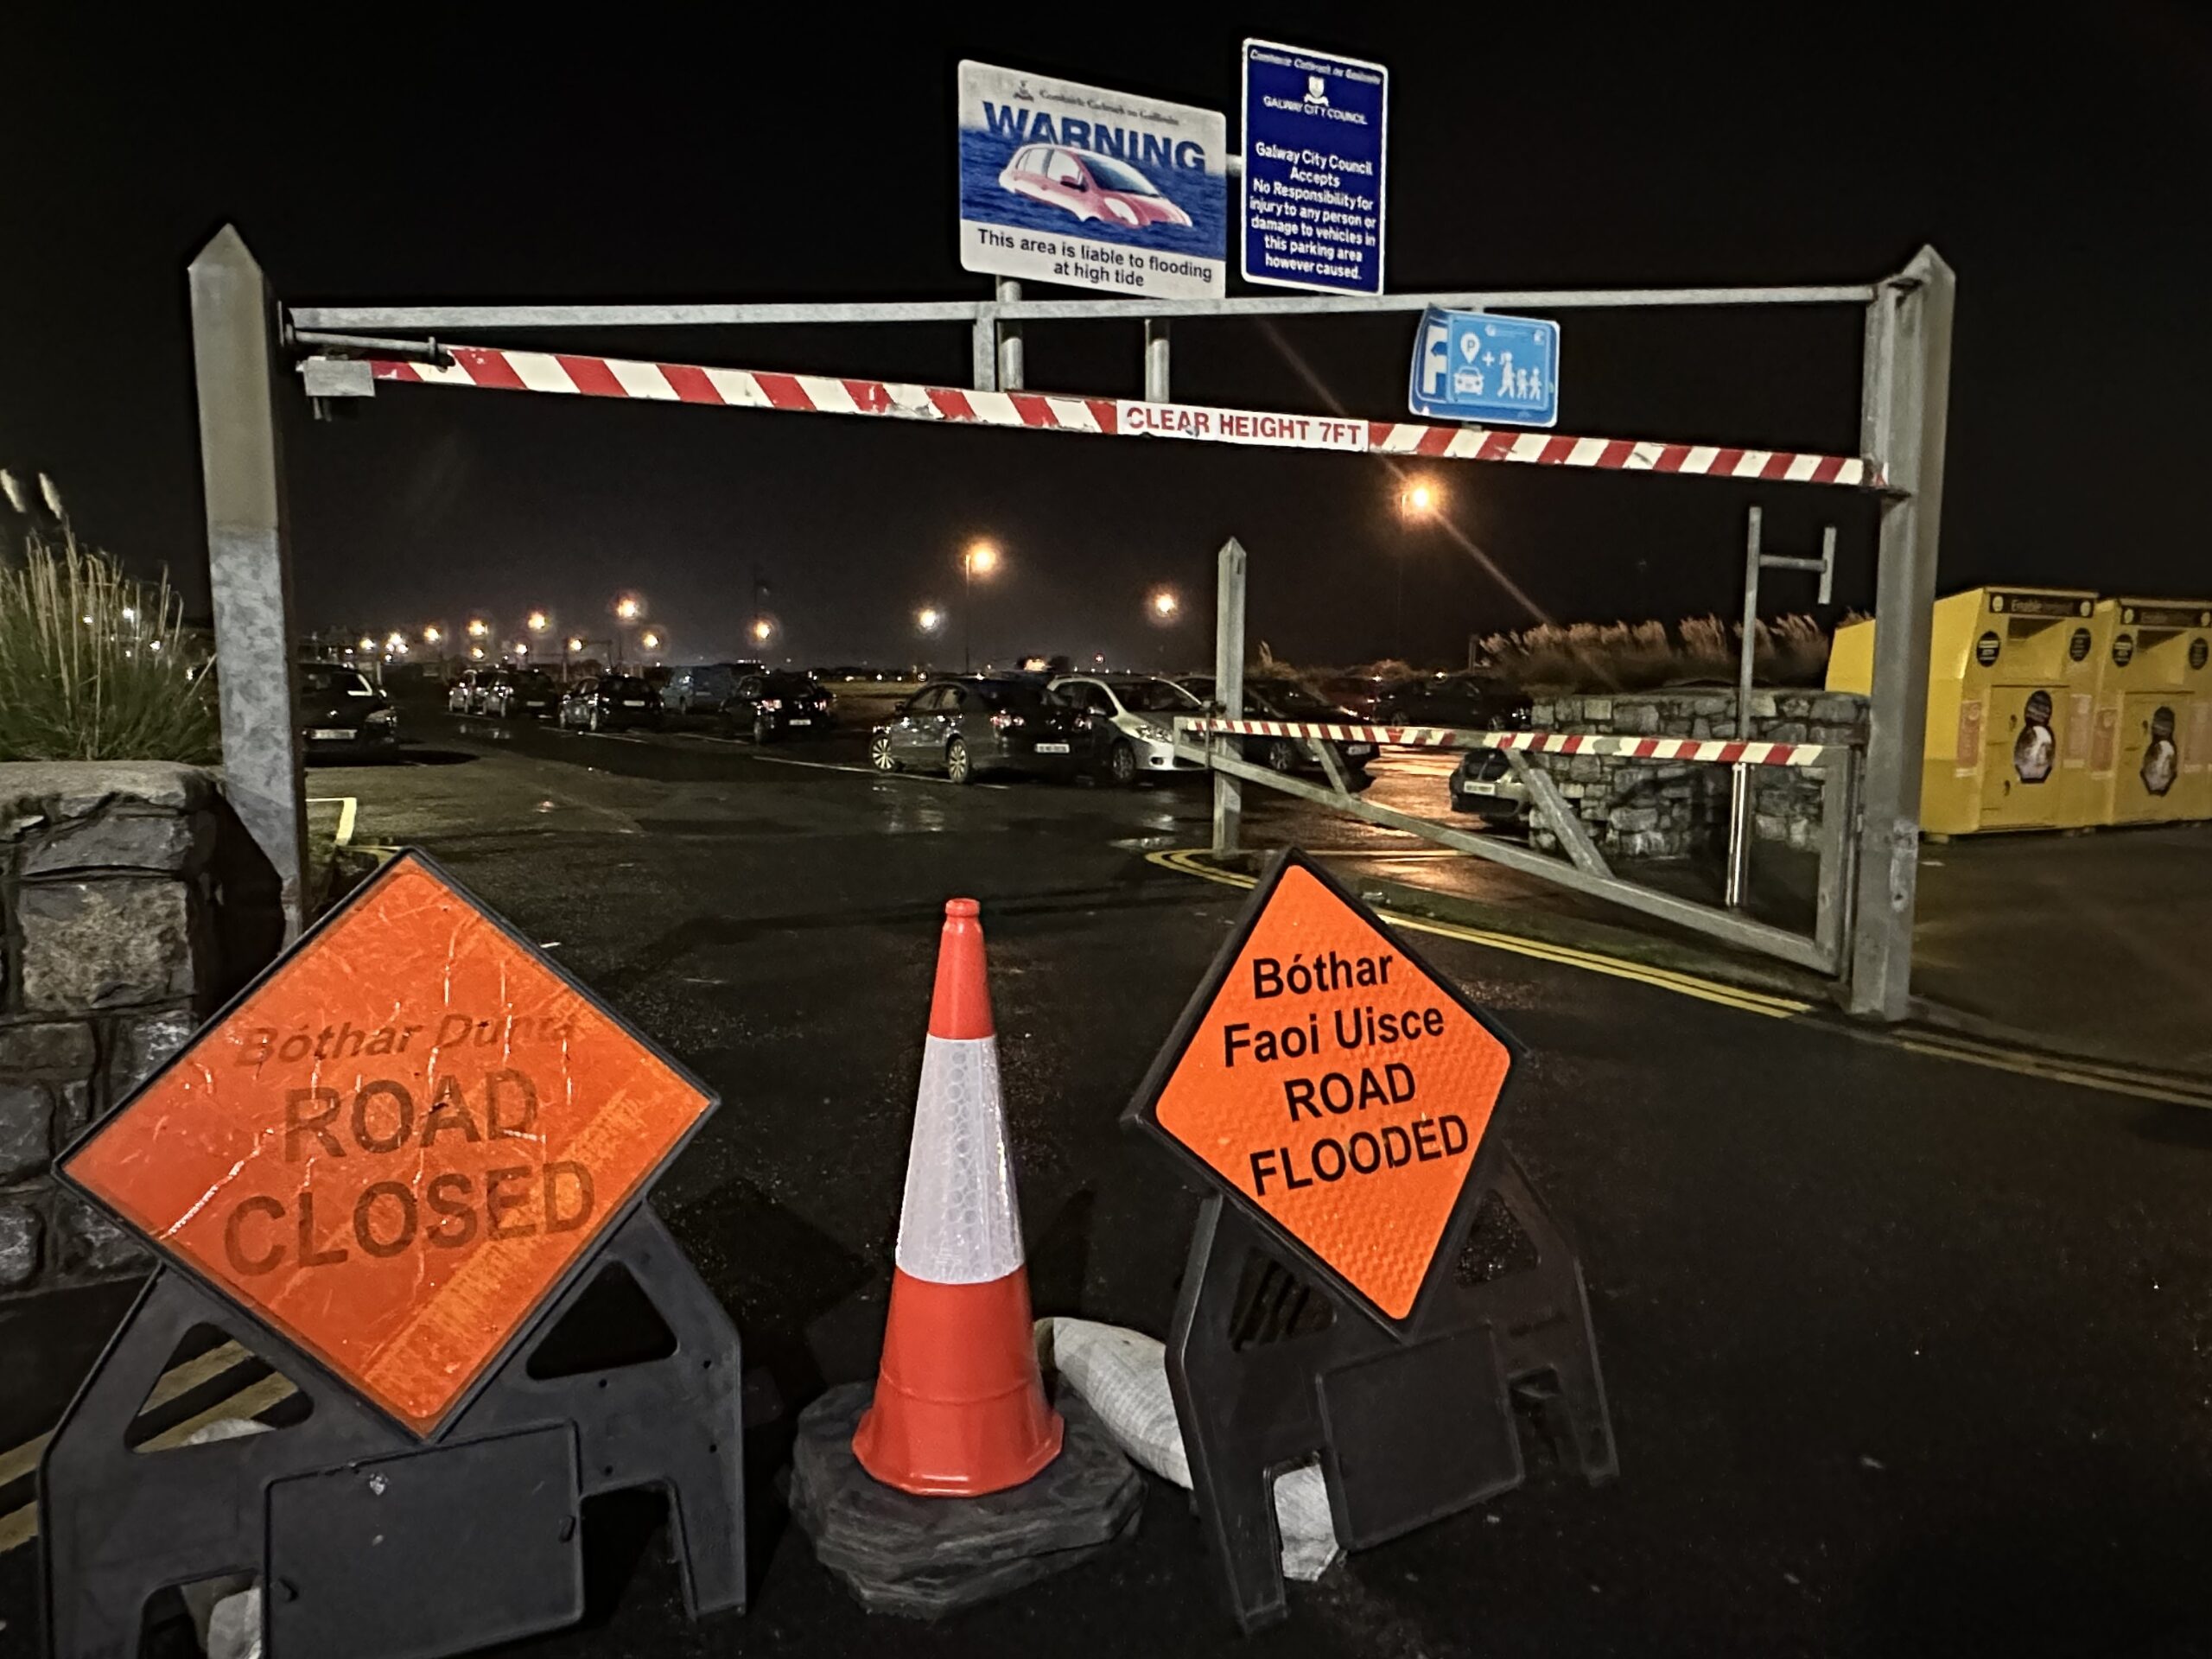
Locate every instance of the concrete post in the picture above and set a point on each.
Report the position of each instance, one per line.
(1010, 340)
(235, 363)
(1229, 690)
(1905, 408)
(1155, 360)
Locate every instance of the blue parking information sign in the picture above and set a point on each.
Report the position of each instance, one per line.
(1315, 126)
(1471, 366)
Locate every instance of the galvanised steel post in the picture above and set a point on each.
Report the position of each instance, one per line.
(234, 358)
(1155, 361)
(1227, 689)
(1904, 408)
(1010, 340)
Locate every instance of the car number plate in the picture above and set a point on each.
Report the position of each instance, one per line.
(806, 721)
(1473, 786)
(1359, 751)
(633, 702)
(331, 735)
(1051, 748)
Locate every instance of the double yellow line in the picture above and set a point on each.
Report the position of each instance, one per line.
(19, 1526)
(2139, 1083)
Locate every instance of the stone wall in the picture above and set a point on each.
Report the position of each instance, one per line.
(110, 955)
(1644, 808)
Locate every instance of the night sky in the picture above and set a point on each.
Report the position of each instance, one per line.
(2060, 171)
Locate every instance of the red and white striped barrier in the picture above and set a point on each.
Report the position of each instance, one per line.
(608, 376)
(1723, 751)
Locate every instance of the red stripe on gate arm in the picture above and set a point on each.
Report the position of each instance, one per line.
(1554, 451)
(1725, 462)
(1828, 467)
(593, 378)
(1034, 410)
(1496, 446)
(1671, 457)
(869, 397)
(691, 384)
(951, 404)
(1776, 464)
(385, 369)
(1107, 414)
(488, 368)
(1646, 746)
(784, 391)
(1730, 754)
(1617, 452)
(1434, 440)
(1779, 756)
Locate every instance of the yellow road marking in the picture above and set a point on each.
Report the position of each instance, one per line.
(19, 1526)
(2108, 1079)
(181, 1380)
(1666, 979)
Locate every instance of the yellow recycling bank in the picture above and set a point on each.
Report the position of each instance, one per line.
(2050, 708)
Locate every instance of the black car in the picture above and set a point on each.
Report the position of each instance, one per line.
(608, 703)
(778, 704)
(519, 693)
(973, 724)
(1269, 697)
(702, 690)
(341, 717)
(1472, 701)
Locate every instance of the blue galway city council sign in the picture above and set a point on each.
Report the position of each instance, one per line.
(1315, 127)
(1472, 365)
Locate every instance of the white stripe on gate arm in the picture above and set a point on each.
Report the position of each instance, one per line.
(960, 1223)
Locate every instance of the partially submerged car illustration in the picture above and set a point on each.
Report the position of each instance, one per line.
(1090, 186)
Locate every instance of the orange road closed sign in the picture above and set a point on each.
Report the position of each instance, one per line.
(396, 1145)
(1329, 1081)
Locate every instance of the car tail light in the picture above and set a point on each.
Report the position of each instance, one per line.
(772, 703)
(1002, 721)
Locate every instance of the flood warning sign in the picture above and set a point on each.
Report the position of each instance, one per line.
(1060, 182)
(1335, 1085)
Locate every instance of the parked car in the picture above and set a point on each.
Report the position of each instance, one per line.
(462, 695)
(519, 693)
(1269, 697)
(340, 715)
(1090, 186)
(972, 724)
(608, 703)
(1133, 723)
(1485, 783)
(1474, 700)
(695, 690)
(782, 703)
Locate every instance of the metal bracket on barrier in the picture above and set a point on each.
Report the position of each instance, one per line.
(301, 1506)
(1268, 1368)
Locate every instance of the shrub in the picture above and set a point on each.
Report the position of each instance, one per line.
(93, 665)
(1620, 657)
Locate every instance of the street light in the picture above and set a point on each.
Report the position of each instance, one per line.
(367, 644)
(1163, 604)
(629, 608)
(980, 559)
(929, 619)
(538, 622)
(478, 627)
(432, 636)
(476, 654)
(522, 651)
(395, 641)
(650, 640)
(762, 628)
(574, 644)
(1418, 500)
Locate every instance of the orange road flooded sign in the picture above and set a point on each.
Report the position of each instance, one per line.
(1335, 1085)
(398, 1144)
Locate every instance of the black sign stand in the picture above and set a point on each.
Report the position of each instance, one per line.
(1414, 1419)
(368, 1542)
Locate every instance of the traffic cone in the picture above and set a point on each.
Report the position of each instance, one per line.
(959, 1407)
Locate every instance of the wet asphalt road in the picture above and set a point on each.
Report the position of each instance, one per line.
(1904, 1357)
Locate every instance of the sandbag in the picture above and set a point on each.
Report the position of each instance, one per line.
(1122, 1375)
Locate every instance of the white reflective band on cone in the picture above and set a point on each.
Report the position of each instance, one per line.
(960, 1224)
